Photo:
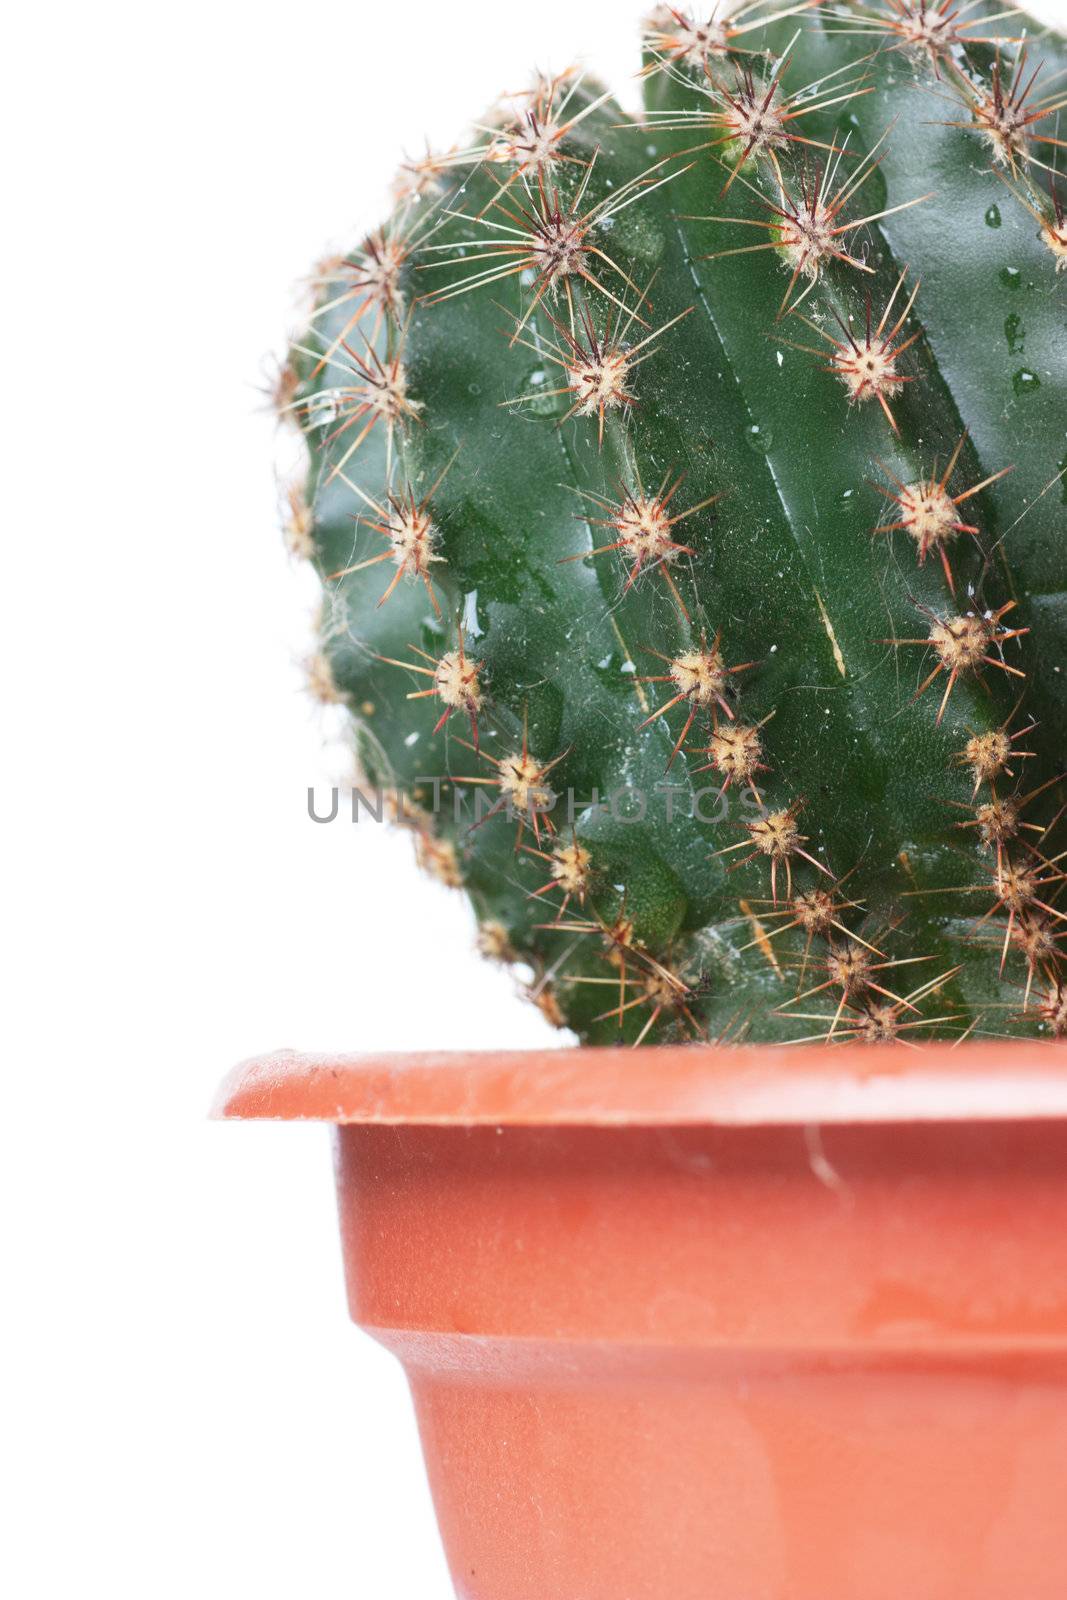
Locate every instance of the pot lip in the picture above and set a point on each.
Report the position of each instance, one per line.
(668, 1086)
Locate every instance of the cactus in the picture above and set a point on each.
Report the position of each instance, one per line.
(687, 490)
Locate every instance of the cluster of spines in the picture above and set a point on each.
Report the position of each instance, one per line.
(1013, 109)
(539, 230)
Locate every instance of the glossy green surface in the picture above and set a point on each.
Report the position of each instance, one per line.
(784, 565)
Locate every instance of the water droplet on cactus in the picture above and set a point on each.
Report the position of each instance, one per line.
(759, 439)
(1025, 381)
(1015, 333)
(992, 217)
(323, 409)
(471, 625)
(540, 402)
(1010, 277)
(611, 671)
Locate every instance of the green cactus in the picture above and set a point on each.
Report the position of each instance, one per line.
(706, 472)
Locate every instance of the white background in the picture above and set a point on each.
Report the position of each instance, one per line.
(188, 1412)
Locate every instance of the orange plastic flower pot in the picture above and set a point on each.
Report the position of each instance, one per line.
(687, 1324)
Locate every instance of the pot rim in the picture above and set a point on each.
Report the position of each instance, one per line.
(669, 1086)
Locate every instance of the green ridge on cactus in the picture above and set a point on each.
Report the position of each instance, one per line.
(439, 369)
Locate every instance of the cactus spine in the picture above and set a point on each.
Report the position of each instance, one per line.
(688, 494)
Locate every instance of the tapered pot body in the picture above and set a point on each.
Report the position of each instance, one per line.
(745, 1353)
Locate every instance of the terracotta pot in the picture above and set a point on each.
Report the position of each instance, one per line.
(690, 1324)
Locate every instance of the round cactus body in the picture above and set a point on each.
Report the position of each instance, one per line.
(688, 491)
